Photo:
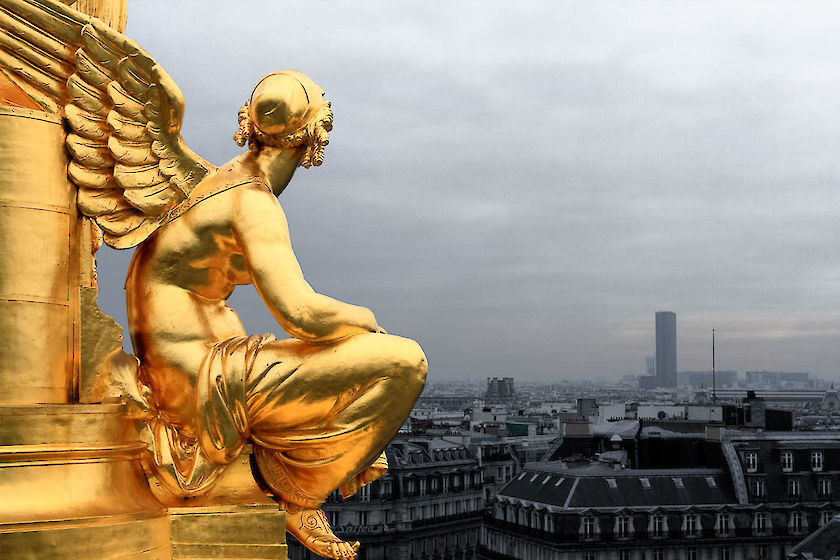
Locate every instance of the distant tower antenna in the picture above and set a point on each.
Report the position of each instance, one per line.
(714, 387)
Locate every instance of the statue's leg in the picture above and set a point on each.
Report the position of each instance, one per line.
(320, 415)
(325, 413)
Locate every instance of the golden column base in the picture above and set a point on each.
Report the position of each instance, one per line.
(73, 487)
(255, 532)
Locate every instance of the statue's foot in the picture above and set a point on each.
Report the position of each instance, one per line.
(311, 528)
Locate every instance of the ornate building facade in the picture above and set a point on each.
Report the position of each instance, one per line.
(771, 490)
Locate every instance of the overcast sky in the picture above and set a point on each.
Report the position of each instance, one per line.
(519, 186)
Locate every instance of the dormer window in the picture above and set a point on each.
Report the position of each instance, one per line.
(723, 524)
(797, 525)
(824, 487)
(817, 461)
(623, 527)
(761, 523)
(691, 525)
(757, 487)
(787, 461)
(794, 487)
(658, 526)
(751, 461)
(589, 527)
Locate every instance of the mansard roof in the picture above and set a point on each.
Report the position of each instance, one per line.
(597, 486)
(822, 544)
(435, 454)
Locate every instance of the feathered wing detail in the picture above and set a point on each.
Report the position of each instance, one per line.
(124, 111)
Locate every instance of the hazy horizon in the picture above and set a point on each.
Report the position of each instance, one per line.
(519, 187)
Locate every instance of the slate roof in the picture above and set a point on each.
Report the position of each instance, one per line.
(597, 486)
(822, 544)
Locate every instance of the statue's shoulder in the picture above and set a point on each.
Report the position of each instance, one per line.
(221, 192)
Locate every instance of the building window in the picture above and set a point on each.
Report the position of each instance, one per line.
(794, 487)
(363, 518)
(751, 461)
(761, 523)
(797, 524)
(588, 527)
(757, 487)
(824, 487)
(762, 551)
(623, 554)
(787, 461)
(590, 555)
(623, 526)
(723, 524)
(817, 460)
(364, 493)
(658, 554)
(332, 516)
(723, 553)
(825, 517)
(691, 524)
(691, 553)
(658, 527)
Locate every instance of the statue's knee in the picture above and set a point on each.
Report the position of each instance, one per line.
(413, 365)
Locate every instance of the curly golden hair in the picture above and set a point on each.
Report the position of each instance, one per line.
(313, 135)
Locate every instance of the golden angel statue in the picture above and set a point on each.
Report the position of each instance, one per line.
(319, 407)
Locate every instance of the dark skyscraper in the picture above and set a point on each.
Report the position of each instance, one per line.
(666, 348)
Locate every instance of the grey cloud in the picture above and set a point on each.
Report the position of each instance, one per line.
(520, 186)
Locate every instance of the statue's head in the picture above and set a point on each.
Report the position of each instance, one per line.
(286, 110)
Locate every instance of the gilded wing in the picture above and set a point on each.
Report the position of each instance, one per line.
(124, 111)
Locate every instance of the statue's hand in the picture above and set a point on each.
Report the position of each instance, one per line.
(379, 330)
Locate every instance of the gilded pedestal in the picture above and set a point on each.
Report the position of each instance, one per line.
(73, 487)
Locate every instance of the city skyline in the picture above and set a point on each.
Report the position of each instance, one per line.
(520, 188)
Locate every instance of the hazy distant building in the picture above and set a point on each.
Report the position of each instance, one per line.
(666, 348)
(777, 379)
(650, 365)
(698, 379)
(499, 389)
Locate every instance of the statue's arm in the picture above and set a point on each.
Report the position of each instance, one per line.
(262, 232)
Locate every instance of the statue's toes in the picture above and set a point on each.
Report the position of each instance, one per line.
(347, 550)
(333, 551)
